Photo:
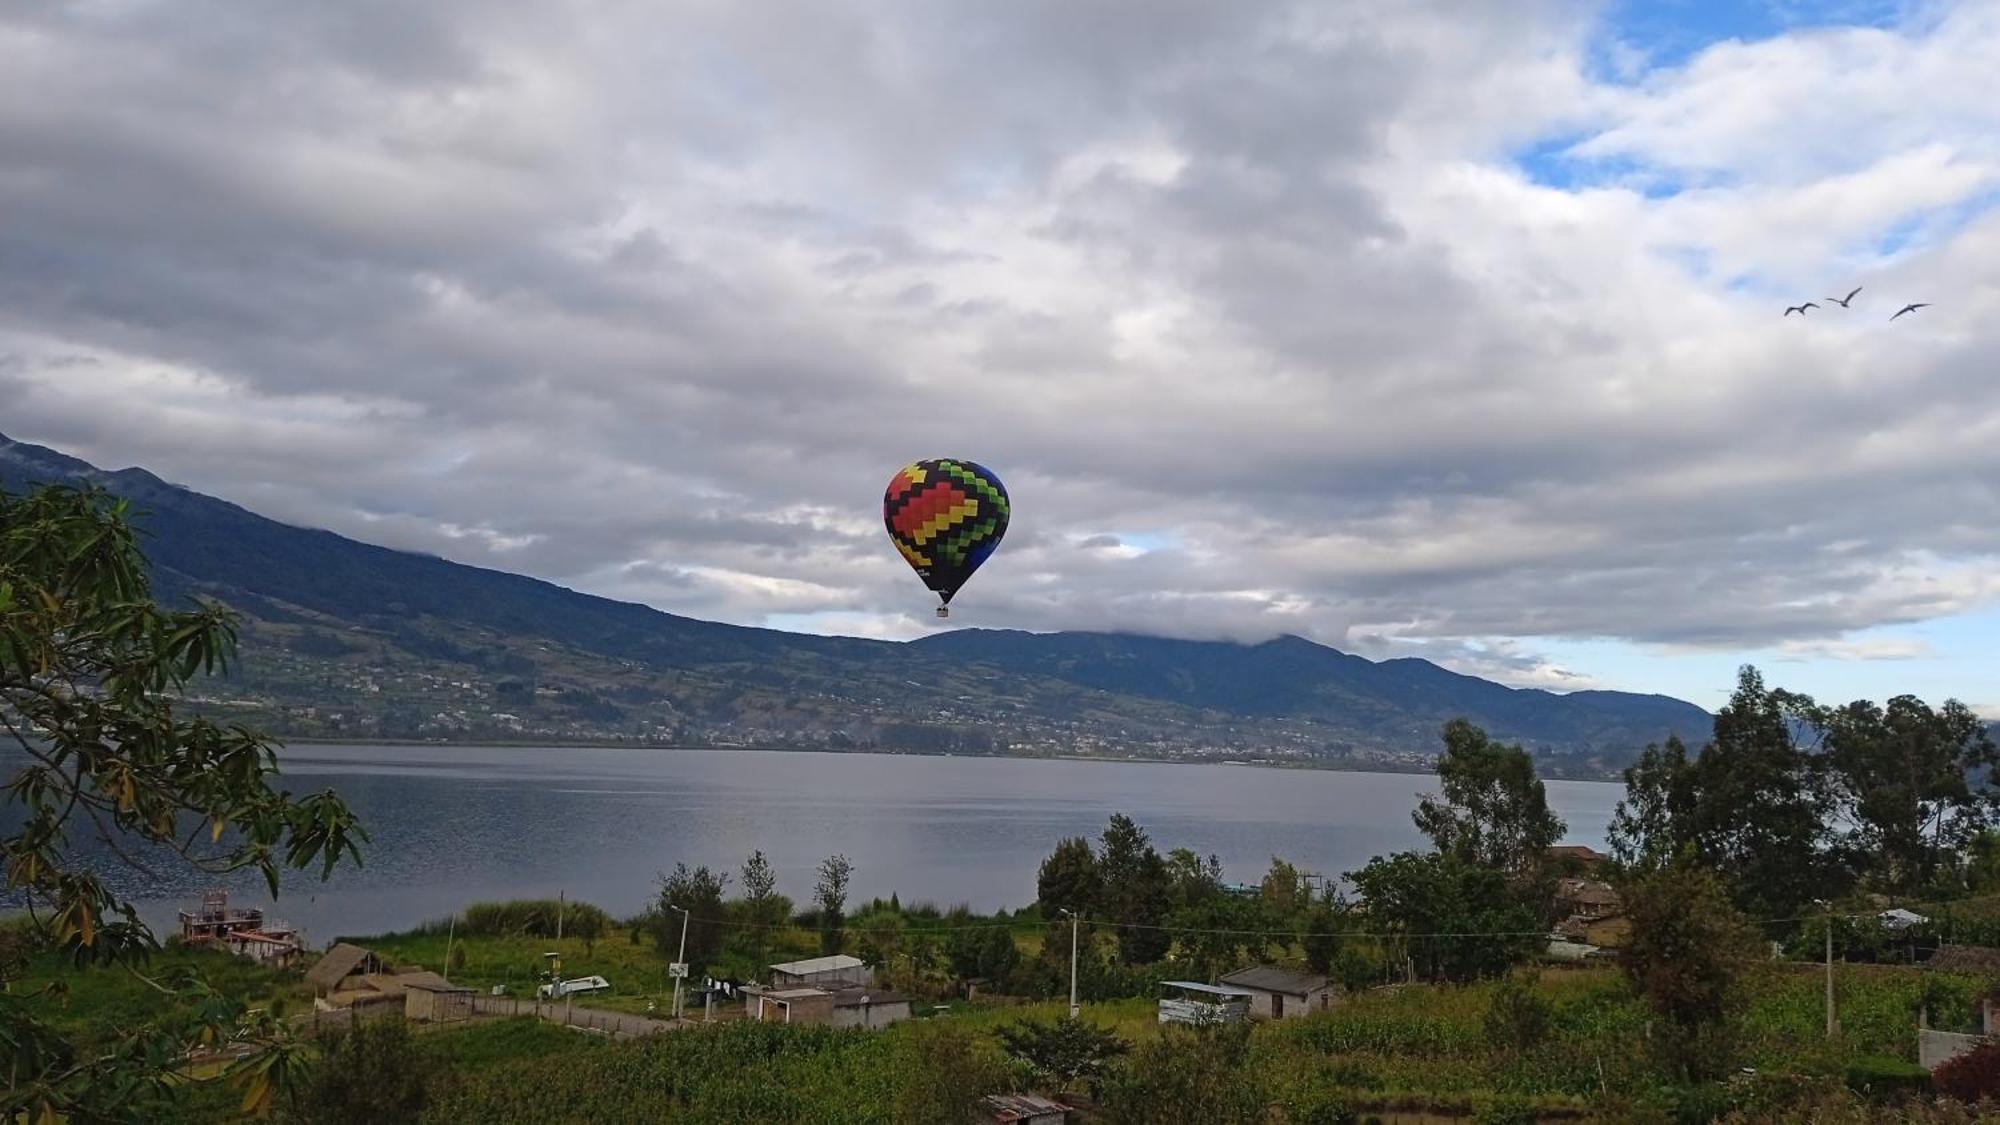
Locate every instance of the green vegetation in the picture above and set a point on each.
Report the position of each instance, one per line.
(92, 671)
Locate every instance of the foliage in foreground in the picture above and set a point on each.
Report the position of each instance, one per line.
(92, 671)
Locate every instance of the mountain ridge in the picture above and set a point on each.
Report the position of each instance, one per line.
(344, 638)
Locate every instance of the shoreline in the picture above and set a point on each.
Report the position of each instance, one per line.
(1409, 769)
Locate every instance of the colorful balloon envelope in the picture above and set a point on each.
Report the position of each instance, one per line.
(946, 516)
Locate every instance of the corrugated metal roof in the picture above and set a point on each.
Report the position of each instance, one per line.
(1210, 989)
(1271, 978)
(812, 965)
(1021, 1107)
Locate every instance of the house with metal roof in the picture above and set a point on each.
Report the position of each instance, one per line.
(1278, 994)
(837, 971)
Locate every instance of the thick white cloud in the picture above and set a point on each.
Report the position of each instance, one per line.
(1253, 305)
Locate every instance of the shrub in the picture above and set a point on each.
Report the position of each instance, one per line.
(1185, 1077)
(536, 917)
(1884, 1078)
(1518, 1020)
(366, 1074)
(1971, 1076)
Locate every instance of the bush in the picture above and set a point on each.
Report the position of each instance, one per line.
(536, 917)
(1971, 1076)
(1887, 1079)
(1185, 1077)
(366, 1074)
(1517, 1020)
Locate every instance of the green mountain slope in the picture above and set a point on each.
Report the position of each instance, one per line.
(346, 639)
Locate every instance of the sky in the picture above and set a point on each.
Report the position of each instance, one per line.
(1439, 328)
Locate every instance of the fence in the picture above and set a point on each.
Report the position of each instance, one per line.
(614, 1024)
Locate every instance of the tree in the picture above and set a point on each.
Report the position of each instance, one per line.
(1192, 877)
(998, 955)
(1758, 808)
(1494, 811)
(1214, 932)
(92, 674)
(759, 881)
(1069, 879)
(1135, 890)
(698, 892)
(1320, 937)
(763, 909)
(1654, 822)
(1283, 890)
(1688, 948)
(830, 899)
(1455, 920)
(1904, 773)
(1062, 1052)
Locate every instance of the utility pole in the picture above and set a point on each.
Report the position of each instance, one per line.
(680, 962)
(1830, 1022)
(1073, 922)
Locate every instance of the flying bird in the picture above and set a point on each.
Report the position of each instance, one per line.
(1842, 301)
(1911, 308)
(1800, 309)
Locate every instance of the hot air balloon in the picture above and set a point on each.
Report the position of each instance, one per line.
(946, 516)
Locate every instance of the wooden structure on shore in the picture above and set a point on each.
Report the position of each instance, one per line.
(243, 931)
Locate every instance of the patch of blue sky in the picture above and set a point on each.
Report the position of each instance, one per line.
(1956, 657)
(1555, 162)
(1935, 225)
(1641, 35)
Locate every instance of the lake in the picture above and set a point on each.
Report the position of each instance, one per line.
(451, 825)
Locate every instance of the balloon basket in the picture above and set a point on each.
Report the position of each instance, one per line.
(944, 611)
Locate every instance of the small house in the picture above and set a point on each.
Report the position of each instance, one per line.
(341, 968)
(1278, 994)
(837, 971)
(1588, 898)
(861, 1007)
(1022, 1109)
(810, 1006)
(1900, 919)
(1192, 1002)
(435, 1001)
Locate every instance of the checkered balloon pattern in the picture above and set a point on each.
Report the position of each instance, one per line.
(946, 516)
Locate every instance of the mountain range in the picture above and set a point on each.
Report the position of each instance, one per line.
(343, 639)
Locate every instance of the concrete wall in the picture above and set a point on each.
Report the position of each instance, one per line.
(871, 1015)
(1262, 1005)
(1935, 1048)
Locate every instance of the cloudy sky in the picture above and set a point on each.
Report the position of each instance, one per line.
(1446, 328)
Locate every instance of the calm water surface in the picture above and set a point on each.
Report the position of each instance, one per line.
(451, 825)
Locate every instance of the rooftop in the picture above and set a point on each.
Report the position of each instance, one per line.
(835, 963)
(339, 961)
(1271, 978)
(1206, 989)
(1020, 1107)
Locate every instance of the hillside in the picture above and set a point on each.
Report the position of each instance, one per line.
(343, 639)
